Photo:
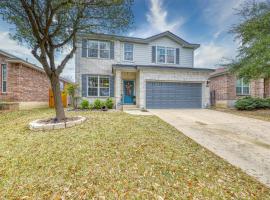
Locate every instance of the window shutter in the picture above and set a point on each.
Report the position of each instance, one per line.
(84, 48)
(111, 86)
(84, 85)
(153, 54)
(112, 50)
(177, 56)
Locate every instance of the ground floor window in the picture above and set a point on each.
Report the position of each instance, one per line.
(98, 86)
(242, 87)
(4, 78)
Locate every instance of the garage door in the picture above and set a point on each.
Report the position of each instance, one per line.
(173, 95)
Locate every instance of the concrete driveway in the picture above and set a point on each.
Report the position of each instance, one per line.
(242, 141)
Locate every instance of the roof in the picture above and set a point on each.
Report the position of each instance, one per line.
(219, 72)
(15, 59)
(168, 34)
(123, 66)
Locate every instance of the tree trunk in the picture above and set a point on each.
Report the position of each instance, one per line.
(58, 105)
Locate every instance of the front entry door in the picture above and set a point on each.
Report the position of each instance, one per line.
(128, 88)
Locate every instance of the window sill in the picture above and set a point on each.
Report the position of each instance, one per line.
(98, 58)
(98, 96)
(243, 95)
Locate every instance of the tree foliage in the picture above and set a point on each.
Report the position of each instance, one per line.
(253, 32)
(51, 26)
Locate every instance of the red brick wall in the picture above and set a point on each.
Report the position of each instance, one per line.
(225, 87)
(24, 84)
(219, 85)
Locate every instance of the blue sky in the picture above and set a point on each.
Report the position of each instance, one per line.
(206, 22)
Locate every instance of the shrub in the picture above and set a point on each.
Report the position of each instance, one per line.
(109, 103)
(91, 106)
(71, 90)
(252, 103)
(85, 104)
(98, 104)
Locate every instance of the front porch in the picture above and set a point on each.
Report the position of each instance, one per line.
(127, 88)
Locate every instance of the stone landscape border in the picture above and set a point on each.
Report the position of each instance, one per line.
(37, 125)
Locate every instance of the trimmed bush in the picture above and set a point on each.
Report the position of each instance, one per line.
(98, 104)
(109, 103)
(252, 103)
(85, 104)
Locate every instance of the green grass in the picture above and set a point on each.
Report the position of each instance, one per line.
(113, 156)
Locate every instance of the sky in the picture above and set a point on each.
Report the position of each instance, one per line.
(206, 22)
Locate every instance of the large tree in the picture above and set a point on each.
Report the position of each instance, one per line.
(253, 33)
(50, 26)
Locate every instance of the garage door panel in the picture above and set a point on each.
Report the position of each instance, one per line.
(173, 95)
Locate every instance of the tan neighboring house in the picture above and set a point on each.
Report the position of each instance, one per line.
(23, 83)
(226, 88)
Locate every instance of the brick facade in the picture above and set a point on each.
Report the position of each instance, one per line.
(224, 85)
(25, 83)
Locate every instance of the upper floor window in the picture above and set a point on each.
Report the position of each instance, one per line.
(97, 49)
(165, 55)
(242, 87)
(99, 86)
(4, 78)
(128, 51)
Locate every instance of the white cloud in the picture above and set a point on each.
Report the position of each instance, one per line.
(157, 21)
(14, 48)
(211, 55)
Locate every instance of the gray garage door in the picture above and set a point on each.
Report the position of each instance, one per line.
(173, 95)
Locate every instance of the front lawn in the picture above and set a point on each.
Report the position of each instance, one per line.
(263, 114)
(113, 156)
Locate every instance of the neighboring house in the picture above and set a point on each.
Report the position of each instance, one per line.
(226, 88)
(156, 72)
(23, 83)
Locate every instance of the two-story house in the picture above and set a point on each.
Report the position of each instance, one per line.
(155, 72)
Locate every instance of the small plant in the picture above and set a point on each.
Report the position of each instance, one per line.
(109, 103)
(71, 90)
(98, 104)
(85, 104)
(91, 106)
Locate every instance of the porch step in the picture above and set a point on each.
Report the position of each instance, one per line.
(130, 107)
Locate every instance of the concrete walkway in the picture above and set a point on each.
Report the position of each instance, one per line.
(242, 141)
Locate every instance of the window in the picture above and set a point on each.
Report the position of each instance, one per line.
(4, 78)
(170, 55)
(104, 49)
(128, 52)
(104, 86)
(99, 86)
(242, 87)
(98, 49)
(92, 48)
(165, 55)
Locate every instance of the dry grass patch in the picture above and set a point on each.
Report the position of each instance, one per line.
(113, 156)
(256, 114)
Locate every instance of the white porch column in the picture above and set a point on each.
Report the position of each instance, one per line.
(142, 90)
(118, 89)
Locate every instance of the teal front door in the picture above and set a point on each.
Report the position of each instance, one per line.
(128, 88)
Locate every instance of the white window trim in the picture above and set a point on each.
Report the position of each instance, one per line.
(166, 48)
(98, 87)
(242, 88)
(2, 78)
(98, 57)
(128, 52)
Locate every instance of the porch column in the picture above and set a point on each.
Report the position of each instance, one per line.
(118, 89)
